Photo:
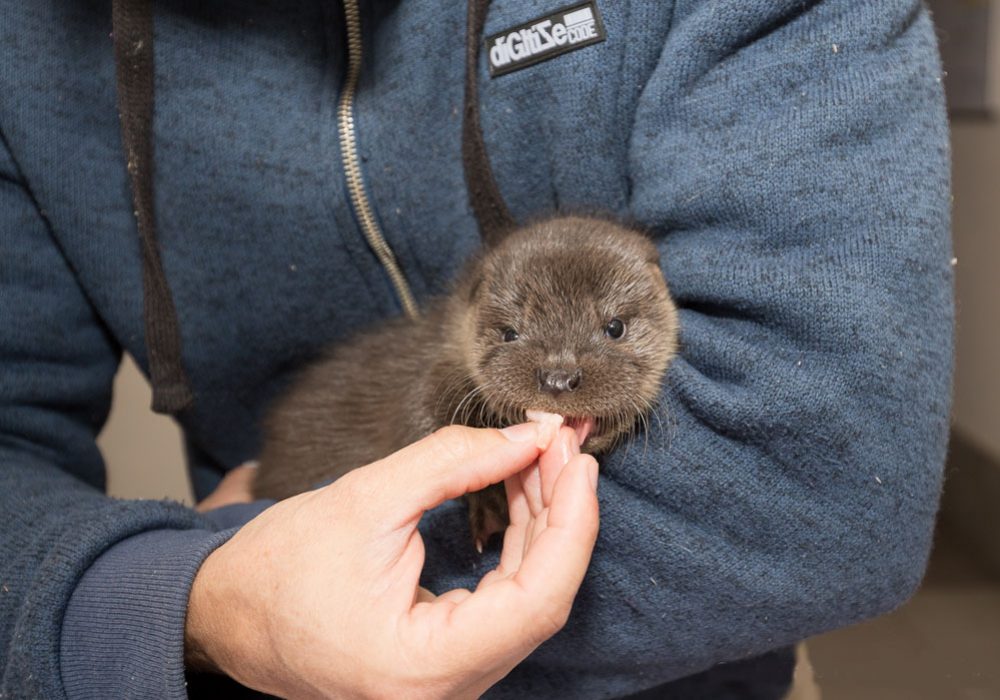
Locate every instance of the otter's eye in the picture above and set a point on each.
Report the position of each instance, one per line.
(510, 335)
(615, 329)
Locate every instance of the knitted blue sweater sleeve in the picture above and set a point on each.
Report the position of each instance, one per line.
(792, 159)
(112, 575)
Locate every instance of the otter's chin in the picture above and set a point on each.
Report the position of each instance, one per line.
(598, 444)
(597, 435)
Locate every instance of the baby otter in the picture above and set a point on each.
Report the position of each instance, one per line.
(570, 315)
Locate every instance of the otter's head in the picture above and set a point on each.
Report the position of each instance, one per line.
(570, 316)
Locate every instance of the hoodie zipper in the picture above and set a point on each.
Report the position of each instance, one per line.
(352, 164)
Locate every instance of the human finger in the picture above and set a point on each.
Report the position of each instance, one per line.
(522, 611)
(528, 493)
(451, 462)
(517, 503)
(536, 490)
(516, 532)
(531, 487)
(563, 543)
(564, 447)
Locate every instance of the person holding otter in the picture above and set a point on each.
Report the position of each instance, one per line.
(788, 160)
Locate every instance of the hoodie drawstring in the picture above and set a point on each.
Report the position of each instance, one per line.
(132, 26)
(495, 219)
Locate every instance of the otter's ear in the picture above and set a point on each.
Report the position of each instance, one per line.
(644, 247)
(471, 280)
(473, 290)
(651, 253)
(654, 270)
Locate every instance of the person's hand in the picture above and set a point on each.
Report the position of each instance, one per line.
(236, 487)
(318, 596)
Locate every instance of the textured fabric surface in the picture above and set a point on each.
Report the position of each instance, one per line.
(109, 617)
(790, 157)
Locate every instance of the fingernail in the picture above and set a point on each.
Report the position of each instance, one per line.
(592, 472)
(522, 432)
(548, 426)
(542, 416)
(252, 464)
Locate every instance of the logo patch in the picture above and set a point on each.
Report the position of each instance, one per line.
(545, 37)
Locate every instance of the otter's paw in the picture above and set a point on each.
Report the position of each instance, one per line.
(487, 514)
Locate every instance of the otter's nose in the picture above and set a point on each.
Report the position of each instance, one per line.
(556, 381)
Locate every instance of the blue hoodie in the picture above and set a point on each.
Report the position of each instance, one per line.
(790, 157)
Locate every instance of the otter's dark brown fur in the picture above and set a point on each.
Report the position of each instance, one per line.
(530, 325)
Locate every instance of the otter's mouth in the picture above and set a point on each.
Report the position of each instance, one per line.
(584, 426)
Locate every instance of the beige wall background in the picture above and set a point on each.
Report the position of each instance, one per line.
(143, 450)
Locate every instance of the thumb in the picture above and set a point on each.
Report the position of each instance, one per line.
(454, 461)
(235, 487)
